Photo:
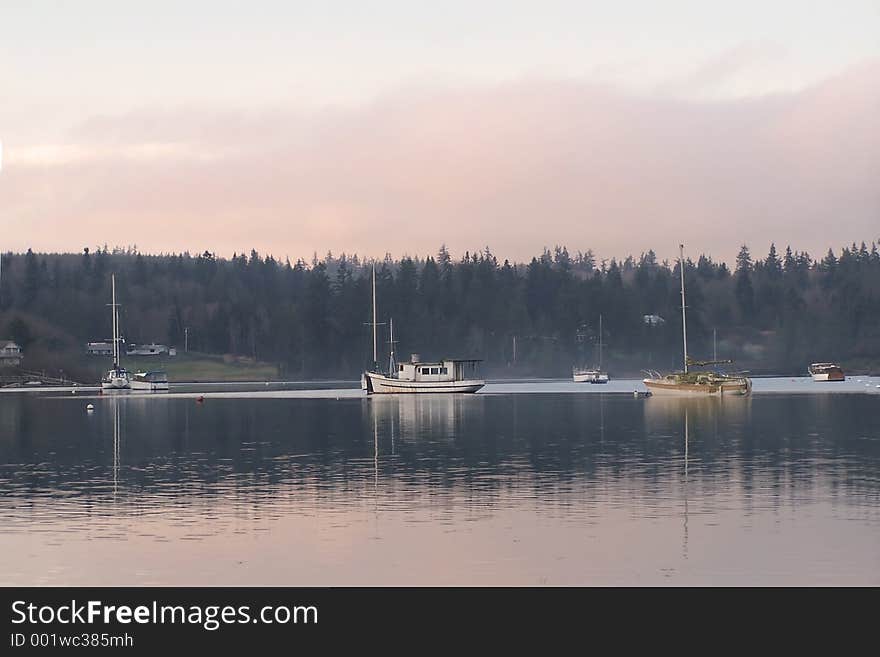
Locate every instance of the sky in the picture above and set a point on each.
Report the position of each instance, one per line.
(395, 127)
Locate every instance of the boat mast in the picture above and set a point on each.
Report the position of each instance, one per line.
(600, 343)
(375, 351)
(391, 363)
(115, 322)
(684, 331)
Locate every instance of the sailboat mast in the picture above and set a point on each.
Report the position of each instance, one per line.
(375, 350)
(600, 343)
(684, 330)
(391, 352)
(115, 321)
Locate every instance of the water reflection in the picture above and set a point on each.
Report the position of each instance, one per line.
(117, 438)
(684, 545)
(504, 488)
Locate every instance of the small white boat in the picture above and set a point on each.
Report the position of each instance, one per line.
(117, 377)
(589, 376)
(826, 372)
(153, 380)
(592, 374)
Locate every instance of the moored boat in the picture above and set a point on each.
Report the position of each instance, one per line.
(447, 375)
(589, 376)
(698, 383)
(826, 372)
(689, 382)
(153, 380)
(592, 374)
(443, 376)
(117, 377)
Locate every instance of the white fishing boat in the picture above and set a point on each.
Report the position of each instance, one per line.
(443, 376)
(690, 383)
(153, 380)
(117, 377)
(448, 375)
(595, 374)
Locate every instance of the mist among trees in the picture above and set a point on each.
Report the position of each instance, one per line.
(772, 313)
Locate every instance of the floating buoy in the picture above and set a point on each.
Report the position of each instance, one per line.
(90, 408)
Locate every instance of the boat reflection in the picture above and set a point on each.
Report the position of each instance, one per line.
(662, 414)
(684, 547)
(117, 442)
(408, 417)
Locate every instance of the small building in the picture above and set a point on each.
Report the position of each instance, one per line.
(653, 320)
(99, 348)
(151, 349)
(10, 353)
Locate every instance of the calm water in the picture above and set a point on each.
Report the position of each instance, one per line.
(525, 483)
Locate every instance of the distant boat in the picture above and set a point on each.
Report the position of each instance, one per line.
(417, 376)
(592, 375)
(826, 372)
(117, 377)
(153, 380)
(691, 383)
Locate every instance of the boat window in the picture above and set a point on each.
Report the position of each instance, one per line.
(444, 370)
(401, 368)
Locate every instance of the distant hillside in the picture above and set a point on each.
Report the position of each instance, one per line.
(772, 315)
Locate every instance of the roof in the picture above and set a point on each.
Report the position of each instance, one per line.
(440, 361)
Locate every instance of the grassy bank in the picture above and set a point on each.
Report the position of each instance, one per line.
(205, 367)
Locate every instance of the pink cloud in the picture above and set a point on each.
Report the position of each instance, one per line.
(515, 166)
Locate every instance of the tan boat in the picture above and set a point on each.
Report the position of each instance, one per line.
(689, 382)
(698, 383)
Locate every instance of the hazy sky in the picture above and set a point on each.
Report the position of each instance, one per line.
(294, 127)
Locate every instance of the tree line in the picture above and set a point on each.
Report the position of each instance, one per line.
(772, 314)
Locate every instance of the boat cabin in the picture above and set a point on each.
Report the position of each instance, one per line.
(155, 376)
(449, 369)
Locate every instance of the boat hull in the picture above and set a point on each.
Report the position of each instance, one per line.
(381, 385)
(590, 377)
(673, 388)
(116, 384)
(829, 376)
(149, 385)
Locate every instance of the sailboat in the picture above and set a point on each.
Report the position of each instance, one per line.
(117, 377)
(592, 375)
(689, 382)
(418, 376)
